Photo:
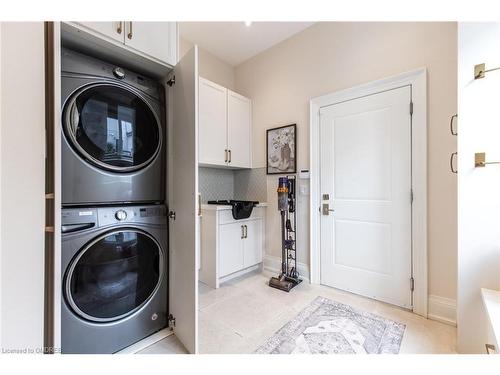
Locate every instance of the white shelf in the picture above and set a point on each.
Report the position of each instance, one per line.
(491, 300)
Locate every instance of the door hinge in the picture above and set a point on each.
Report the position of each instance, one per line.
(412, 284)
(411, 108)
(171, 81)
(171, 215)
(171, 321)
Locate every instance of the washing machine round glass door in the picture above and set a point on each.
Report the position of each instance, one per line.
(112, 127)
(114, 276)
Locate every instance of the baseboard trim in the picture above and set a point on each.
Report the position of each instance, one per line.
(147, 341)
(443, 310)
(273, 264)
(238, 273)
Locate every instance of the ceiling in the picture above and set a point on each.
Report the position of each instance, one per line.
(234, 42)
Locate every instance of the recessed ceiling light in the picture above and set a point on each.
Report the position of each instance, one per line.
(248, 23)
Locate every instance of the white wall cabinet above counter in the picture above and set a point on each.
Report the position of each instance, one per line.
(157, 40)
(225, 127)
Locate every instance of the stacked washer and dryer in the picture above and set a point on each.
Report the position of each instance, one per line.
(114, 221)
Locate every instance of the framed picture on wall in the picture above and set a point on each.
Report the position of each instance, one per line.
(282, 149)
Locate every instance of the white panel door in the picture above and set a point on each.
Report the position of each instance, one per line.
(213, 123)
(366, 184)
(111, 29)
(182, 198)
(230, 248)
(156, 39)
(252, 243)
(239, 130)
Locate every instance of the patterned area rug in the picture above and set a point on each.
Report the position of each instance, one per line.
(329, 327)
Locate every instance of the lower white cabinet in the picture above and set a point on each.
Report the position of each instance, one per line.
(229, 247)
(252, 243)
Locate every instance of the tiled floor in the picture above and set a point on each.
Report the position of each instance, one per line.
(240, 315)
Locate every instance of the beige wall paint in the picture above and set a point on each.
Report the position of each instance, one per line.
(332, 56)
(22, 199)
(210, 67)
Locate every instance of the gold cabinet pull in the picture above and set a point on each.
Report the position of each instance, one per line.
(480, 70)
(120, 27)
(480, 160)
(129, 35)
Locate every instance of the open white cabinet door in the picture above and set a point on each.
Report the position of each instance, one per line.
(182, 198)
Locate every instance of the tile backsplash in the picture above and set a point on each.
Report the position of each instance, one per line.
(245, 184)
(250, 184)
(215, 184)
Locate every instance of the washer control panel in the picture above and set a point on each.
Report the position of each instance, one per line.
(132, 214)
(120, 215)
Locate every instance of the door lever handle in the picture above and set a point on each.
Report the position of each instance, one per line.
(326, 209)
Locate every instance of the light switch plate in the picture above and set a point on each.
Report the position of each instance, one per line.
(304, 189)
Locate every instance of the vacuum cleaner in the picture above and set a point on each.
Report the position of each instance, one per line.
(289, 276)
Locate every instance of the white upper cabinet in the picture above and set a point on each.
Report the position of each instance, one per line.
(113, 30)
(157, 40)
(212, 122)
(239, 127)
(225, 138)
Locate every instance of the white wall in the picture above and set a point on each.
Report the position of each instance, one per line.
(211, 67)
(332, 56)
(22, 172)
(478, 188)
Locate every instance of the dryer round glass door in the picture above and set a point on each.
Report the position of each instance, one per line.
(112, 127)
(114, 276)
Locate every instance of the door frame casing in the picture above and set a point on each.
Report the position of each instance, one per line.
(417, 80)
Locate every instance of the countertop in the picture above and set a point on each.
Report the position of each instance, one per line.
(491, 300)
(220, 207)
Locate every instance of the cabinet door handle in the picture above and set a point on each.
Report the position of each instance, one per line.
(453, 132)
(242, 231)
(225, 156)
(120, 27)
(229, 156)
(130, 35)
(452, 157)
(489, 348)
(246, 231)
